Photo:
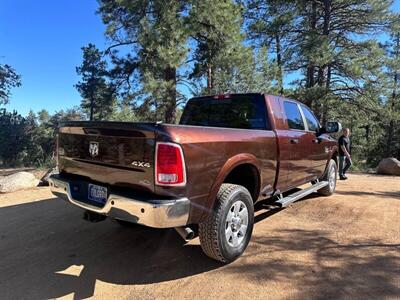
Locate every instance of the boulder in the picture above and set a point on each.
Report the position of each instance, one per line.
(389, 166)
(17, 181)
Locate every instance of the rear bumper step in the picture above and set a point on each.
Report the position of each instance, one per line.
(283, 202)
(155, 213)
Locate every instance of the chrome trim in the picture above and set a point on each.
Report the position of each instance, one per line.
(154, 213)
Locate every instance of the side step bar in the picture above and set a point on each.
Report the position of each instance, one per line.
(285, 201)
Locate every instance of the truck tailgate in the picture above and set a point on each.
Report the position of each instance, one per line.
(115, 153)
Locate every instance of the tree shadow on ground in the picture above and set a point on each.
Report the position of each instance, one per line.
(385, 194)
(353, 270)
(39, 240)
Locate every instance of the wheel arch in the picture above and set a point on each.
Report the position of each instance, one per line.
(242, 169)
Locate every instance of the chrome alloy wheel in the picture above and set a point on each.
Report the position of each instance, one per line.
(332, 179)
(236, 223)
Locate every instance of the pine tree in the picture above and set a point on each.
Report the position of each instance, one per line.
(220, 57)
(328, 41)
(8, 79)
(271, 25)
(392, 104)
(155, 33)
(97, 94)
(334, 51)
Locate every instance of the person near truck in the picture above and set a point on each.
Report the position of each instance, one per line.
(344, 154)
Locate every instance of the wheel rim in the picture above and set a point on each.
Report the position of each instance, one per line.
(332, 179)
(237, 221)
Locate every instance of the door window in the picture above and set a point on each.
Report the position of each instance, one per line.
(293, 115)
(312, 122)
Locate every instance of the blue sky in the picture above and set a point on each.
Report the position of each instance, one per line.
(42, 40)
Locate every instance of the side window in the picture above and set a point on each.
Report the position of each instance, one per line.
(312, 122)
(293, 115)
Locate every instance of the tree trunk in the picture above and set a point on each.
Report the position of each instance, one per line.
(322, 70)
(170, 78)
(91, 108)
(393, 101)
(310, 68)
(279, 63)
(210, 83)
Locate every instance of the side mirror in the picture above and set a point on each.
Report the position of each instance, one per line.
(331, 127)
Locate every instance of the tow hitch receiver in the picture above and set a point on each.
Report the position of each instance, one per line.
(93, 217)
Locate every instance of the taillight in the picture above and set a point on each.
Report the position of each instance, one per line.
(170, 165)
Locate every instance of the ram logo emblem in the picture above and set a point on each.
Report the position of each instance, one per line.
(94, 149)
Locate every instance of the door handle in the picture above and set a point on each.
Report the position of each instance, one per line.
(294, 141)
(316, 141)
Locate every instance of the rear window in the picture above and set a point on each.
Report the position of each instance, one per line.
(247, 112)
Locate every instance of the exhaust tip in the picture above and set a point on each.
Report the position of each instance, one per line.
(186, 233)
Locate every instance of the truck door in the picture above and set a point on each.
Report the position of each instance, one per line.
(317, 144)
(297, 142)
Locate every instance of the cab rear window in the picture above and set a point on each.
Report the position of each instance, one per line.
(247, 112)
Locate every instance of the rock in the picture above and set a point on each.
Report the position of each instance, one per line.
(389, 166)
(17, 181)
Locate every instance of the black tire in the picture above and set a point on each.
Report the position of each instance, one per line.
(213, 232)
(328, 176)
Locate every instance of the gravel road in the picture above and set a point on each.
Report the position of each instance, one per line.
(346, 246)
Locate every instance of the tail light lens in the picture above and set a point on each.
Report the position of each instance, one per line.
(170, 165)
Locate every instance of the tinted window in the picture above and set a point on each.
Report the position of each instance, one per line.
(295, 121)
(247, 112)
(312, 122)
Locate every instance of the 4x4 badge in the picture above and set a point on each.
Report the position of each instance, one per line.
(94, 149)
(142, 164)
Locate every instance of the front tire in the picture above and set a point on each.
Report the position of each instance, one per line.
(226, 232)
(331, 177)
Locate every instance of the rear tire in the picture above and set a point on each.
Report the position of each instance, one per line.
(331, 177)
(226, 232)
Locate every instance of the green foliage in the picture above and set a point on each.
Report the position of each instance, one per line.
(30, 140)
(164, 51)
(8, 79)
(12, 137)
(123, 113)
(97, 94)
(155, 31)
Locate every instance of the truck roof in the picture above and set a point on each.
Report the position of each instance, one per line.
(228, 95)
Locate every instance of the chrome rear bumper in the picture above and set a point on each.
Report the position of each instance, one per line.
(153, 213)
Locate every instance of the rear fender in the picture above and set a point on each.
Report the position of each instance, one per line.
(230, 164)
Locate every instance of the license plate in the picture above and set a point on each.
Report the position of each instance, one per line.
(97, 193)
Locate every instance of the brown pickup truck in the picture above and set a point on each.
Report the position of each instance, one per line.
(203, 175)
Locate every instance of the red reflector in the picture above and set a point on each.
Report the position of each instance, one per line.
(170, 169)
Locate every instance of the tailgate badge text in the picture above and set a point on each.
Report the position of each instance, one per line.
(142, 164)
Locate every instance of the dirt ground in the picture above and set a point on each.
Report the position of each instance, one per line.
(346, 246)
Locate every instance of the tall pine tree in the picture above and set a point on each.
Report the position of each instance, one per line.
(97, 94)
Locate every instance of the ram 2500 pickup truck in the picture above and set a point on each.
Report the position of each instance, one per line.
(205, 174)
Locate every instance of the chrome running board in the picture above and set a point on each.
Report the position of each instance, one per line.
(285, 201)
